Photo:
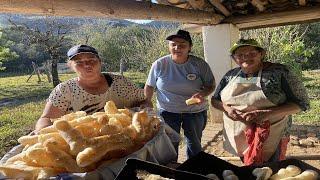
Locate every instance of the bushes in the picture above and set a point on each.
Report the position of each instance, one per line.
(283, 44)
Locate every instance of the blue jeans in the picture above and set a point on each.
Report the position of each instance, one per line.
(192, 124)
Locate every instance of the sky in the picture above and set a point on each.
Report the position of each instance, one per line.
(141, 21)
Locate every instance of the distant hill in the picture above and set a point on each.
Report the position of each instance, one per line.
(31, 21)
(162, 24)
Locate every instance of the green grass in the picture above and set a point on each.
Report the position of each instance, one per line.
(311, 80)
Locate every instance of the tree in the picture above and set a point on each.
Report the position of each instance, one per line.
(312, 41)
(283, 44)
(5, 55)
(48, 37)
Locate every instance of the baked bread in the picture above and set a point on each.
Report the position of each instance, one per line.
(192, 101)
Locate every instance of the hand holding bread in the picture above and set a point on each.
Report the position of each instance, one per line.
(192, 101)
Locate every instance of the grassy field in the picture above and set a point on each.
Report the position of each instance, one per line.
(21, 104)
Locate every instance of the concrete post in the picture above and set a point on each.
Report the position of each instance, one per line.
(217, 41)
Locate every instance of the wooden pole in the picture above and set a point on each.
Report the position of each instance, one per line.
(122, 9)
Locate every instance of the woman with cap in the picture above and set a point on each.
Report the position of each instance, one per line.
(176, 78)
(89, 91)
(257, 99)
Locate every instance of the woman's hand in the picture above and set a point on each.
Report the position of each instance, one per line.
(259, 115)
(234, 113)
(146, 104)
(199, 96)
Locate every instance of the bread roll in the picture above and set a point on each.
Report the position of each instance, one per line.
(227, 172)
(73, 137)
(111, 108)
(28, 140)
(289, 171)
(192, 101)
(100, 146)
(263, 173)
(231, 177)
(308, 175)
(293, 170)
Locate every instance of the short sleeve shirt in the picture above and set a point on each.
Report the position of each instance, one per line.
(175, 83)
(70, 97)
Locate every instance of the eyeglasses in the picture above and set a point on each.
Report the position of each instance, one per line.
(250, 54)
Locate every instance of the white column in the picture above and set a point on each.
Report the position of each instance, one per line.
(217, 41)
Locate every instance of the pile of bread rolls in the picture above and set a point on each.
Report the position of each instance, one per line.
(78, 142)
(291, 172)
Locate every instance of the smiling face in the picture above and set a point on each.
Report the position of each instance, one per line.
(249, 58)
(86, 65)
(179, 49)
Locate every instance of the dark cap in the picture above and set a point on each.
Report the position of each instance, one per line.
(80, 49)
(181, 34)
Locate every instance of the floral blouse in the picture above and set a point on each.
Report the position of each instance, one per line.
(70, 97)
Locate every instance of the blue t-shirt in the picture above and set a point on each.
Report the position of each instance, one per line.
(175, 83)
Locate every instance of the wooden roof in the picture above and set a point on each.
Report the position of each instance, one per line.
(245, 14)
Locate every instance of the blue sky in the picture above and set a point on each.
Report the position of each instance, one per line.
(141, 21)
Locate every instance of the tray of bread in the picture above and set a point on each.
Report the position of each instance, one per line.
(290, 169)
(78, 143)
(138, 169)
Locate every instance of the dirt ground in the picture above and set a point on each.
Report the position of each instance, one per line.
(304, 144)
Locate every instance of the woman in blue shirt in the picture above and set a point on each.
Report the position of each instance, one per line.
(176, 78)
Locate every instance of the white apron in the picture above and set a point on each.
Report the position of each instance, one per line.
(246, 95)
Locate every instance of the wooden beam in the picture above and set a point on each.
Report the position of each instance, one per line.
(193, 28)
(301, 15)
(121, 9)
(302, 2)
(220, 7)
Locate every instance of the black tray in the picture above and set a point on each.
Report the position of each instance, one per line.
(204, 163)
(128, 172)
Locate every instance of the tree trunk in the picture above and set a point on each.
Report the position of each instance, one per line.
(54, 72)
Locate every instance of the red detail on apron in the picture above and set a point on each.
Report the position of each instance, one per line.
(256, 135)
(283, 147)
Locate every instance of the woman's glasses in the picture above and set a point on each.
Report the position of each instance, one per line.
(250, 54)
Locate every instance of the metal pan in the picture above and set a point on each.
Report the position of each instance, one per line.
(204, 163)
(128, 172)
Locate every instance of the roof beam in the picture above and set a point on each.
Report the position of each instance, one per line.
(121, 9)
(301, 15)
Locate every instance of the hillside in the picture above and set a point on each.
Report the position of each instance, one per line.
(32, 21)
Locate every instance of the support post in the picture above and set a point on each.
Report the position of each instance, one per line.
(217, 41)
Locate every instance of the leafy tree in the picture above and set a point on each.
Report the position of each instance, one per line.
(283, 44)
(312, 41)
(45, 42)
(5, 55)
